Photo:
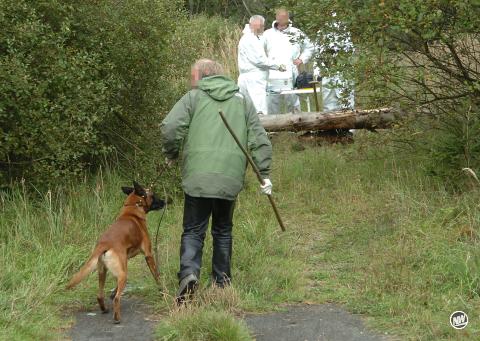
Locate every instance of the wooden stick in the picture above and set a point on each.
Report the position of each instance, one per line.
(255, 169)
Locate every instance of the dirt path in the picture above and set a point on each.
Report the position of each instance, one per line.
(311, 323)
(137, 324)
(299, 323)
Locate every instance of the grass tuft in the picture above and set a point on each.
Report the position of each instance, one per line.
(202, 325)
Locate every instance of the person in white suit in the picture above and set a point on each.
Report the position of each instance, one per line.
(287, 45)
(254, 65)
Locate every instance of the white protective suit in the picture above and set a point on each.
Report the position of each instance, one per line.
(253, 66)
(334, 87)
(283, 47)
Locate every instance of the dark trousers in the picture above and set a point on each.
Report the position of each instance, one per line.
(196, 215)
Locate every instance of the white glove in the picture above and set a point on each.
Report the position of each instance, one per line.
(266, 188)
(282, 68)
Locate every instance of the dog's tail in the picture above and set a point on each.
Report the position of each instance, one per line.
(88, 267)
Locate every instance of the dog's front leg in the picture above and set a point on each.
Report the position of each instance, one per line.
(147, 251)
(153, 268)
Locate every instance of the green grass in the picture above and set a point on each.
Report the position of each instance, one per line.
(203, 325)
(365, 228)
(210, 317)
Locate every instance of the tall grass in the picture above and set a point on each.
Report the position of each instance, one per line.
(365, 227)
(226, 50)
(391, 242)
(45, 240)
(42, 240)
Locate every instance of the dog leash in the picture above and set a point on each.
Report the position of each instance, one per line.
(156, 237)
(161, 217)
(160, 173)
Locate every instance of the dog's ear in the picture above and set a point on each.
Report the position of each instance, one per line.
(127, 190)
(139, 189)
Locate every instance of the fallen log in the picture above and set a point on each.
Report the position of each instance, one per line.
(346, 119)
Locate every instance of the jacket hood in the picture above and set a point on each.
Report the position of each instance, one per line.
(220, 88)
(274, 24)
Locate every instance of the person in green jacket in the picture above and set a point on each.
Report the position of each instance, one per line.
(213, 166)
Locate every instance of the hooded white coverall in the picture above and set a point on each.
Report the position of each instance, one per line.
(283, 47)
(253, 66)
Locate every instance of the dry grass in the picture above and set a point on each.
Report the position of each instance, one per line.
(226, 50)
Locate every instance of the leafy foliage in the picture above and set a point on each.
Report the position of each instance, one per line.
(424, 55)
(85, 81)
(455, 147)
(239, 11)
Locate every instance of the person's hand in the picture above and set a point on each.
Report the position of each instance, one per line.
(266, 188)
(298, 62)
(282, 68)
(169, 162)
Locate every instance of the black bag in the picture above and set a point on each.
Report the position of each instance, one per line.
(303, 80)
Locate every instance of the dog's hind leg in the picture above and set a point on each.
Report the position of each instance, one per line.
(102, 275)
(121, 282)
(116, 262)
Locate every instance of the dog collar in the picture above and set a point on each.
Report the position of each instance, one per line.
(137, 204)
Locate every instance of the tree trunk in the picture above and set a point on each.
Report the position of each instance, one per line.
(347, 119)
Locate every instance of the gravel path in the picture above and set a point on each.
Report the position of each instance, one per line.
(324, 322)
(137, 323)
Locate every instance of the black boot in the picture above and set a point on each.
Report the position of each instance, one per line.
(186, 289)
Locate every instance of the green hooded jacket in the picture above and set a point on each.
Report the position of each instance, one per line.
(213, 165)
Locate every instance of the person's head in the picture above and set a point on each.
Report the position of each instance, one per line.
(282, 16)
(257, 24)
(204, 68)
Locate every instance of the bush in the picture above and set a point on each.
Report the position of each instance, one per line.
(52, 96)
(85, 81)
(456, 146)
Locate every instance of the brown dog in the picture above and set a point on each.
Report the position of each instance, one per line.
(124, 239)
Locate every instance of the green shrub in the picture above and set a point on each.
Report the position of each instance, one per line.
(456, 146)
(85, 81)
(52, 96)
